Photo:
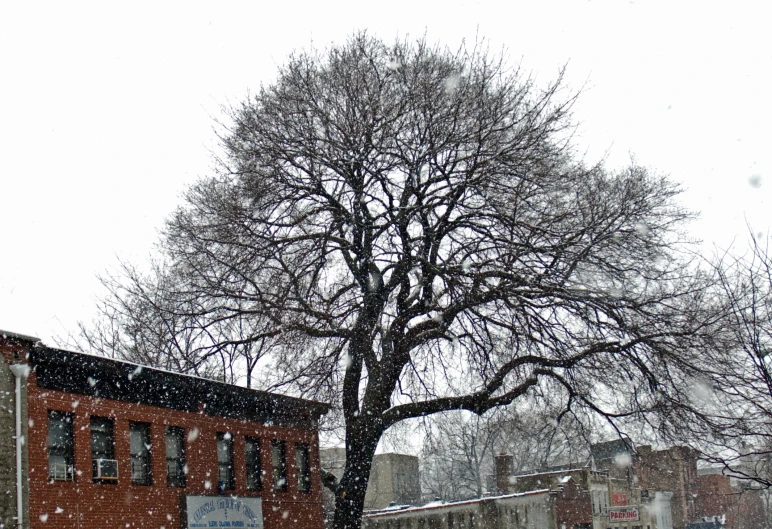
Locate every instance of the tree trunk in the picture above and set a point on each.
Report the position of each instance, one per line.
(361, 441)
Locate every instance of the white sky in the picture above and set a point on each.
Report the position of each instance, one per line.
(106, 111)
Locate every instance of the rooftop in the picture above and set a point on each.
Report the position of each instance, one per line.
(400, 509)
(96, 376)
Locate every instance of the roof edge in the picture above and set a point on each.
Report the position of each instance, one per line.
(53, 356)
(19, 337)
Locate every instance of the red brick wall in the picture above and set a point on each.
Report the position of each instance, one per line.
(744, 509)
(673, 469)
(573, 505)
(13, 350)
(714, 496)
(87, 505)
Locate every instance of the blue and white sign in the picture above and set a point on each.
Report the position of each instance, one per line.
(223, 511)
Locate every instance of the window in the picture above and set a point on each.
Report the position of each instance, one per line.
(60, 446)
(303, 468)
(103, 450)
(279, 464)
(225, 462)
(254, 470)
(139, 446)
(175, 457)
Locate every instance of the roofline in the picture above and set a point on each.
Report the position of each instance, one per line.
(19, 337)
(564, 471)
(188, 375)
(48, 355)
(455, 503)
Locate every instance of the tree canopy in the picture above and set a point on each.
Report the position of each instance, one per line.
(413, 231)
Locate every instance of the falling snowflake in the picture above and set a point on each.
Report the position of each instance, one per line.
(193, 434)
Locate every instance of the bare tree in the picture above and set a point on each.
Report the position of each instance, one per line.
(416, 222)
(459, 448)
(539, 437)
(142, 319)
(740, 385)
(457, 455)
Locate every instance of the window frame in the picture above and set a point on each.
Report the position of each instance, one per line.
(225, 439)
(109, 453)
(66, 451)
(145, 457)
(303, 474)
(281, 468)
(180, 477)
(253, 464)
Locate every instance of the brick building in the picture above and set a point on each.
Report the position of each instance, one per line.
(584, 497)
(112, 444)
(675, 470)
(738, 507)
(666, 478)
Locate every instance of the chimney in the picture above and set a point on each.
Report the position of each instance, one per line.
(504, 464)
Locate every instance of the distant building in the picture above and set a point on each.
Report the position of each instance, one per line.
(736, 506)
(671, 470)
(584, 497)
(106, 443)
(394, 478)
(526, 510)
(666, 478)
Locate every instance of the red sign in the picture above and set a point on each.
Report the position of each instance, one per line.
(631, 515)
(618, 498)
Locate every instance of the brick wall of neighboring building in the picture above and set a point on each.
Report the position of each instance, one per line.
(86, 504)
(13, 349)
(744, 509)
(7, 445)
(675, 470)
(573, 505)
(715, 497)
(583, 497)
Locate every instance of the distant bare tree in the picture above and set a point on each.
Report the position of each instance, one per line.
(416, 223)
(538, 437)
(458, 454)
(459, 449)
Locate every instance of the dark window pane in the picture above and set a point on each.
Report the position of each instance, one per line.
(254, 470)
(60, 446)
(303, 468)
(175, 457)
(139, 441)
(225, 477)
(103, 450)
(279, 464)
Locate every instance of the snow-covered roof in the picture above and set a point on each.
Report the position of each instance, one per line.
(96, 376)
(17, 336)
(400, 509)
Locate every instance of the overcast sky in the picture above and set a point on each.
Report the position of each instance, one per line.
(106, 111)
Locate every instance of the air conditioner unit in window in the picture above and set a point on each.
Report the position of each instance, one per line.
(105, 469)
(61, 472)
